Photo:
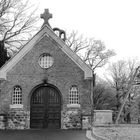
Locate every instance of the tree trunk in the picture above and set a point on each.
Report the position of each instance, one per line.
(127, 94)
(128, 118)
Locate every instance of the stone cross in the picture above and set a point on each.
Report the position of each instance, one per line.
(46, 16)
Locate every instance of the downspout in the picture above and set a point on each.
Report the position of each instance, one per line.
(92, 97)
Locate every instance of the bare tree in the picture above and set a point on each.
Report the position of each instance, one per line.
(103, 97)
(16, 24)
(92, 51)
(122, 73)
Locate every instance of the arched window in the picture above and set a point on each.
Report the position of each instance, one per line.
(17, 95)
(73, 95)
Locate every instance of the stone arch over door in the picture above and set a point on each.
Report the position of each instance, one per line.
(45, 107)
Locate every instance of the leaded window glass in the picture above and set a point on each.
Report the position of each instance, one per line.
(17, 95)
(74, 95)
(46, 60)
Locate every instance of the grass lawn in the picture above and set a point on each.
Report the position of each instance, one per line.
(120, 132)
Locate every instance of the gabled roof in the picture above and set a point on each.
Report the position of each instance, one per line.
(45, 31)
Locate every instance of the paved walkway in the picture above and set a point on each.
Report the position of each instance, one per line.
(43, 135)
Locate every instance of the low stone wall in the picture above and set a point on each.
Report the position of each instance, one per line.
(3, 121)
(102, 117)
(18, 119)
(71, 119)
(86, 122)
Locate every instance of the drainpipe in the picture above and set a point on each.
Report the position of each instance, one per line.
(92, 97)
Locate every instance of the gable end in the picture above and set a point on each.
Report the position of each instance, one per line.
(45, 31)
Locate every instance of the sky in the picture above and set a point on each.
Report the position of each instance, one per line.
(115, 22)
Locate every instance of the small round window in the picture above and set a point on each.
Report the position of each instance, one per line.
(46, 61)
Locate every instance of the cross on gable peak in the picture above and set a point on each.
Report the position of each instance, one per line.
(46, 16)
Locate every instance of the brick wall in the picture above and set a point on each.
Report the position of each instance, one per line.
(64, 73)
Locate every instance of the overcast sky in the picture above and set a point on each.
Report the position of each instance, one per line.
(115, 22)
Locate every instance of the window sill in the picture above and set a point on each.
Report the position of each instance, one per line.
(73, 105)
(16, 106)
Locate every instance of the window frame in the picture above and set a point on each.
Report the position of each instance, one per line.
(17, 95)
(43, 62)
(74, 95)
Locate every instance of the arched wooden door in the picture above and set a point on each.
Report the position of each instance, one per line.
(45, 109)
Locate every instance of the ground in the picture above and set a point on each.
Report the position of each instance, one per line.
(43, 135)
(121, 132)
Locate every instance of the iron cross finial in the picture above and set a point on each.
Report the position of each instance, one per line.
(46, 16)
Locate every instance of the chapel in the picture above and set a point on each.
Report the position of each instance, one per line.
(46, 85)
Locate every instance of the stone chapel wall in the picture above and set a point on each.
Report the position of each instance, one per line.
(63, 74)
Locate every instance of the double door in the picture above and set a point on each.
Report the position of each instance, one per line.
(45, 108)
